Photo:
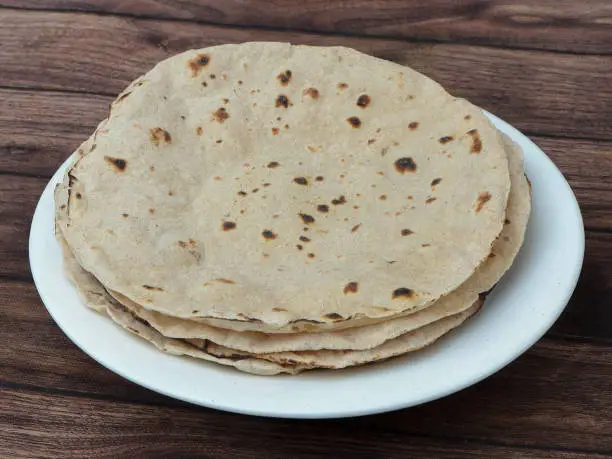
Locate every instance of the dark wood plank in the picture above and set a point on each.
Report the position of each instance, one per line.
(557, 395)
(540, 92)
(582, 27)
(18, 198)
(53, 425)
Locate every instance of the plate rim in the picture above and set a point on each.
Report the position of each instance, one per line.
(375, 408)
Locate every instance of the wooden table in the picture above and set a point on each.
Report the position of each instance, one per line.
(545, 66)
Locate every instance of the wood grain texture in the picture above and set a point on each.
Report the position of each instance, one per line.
(104, 429)
(539, 92)
(564, 25)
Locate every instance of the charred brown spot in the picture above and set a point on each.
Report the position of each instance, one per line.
(282, 101)
(226, 101)
(199, 130)
(476, 147)
(205, 84)
(425, 245)
(267, 234)
(304, 239)
(339, 201)
(275, 131)
(213, 76)
(311, 255)
(435, 182)
(227, 226)
(447, 138)
(308, 219)
(383, 197)
(78, 195)
(323, 208)
(152, 168)
(300, 247)
(351, 287)
(363, 101)
(254, 190)
(273, 165)
(319, 178)
(412, 126)
(430, 200)
(355, 228)
(197, 63)
(354, 121)
(403, 165)
(467, 117)
(402, 293)
(159, 136)
(342, 85)
(483, 198)
(506, 222)
(371, 141)
(312, 92)
(248, 319)
(221, 115)
(279, 309)
(152, 288)
(406, 232)
(152, 211)
(242, 193)
(125, 215)
(300, 181)
(119, 163)
(284, 77)
(333, 316)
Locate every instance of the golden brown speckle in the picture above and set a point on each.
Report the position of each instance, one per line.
(308, 219)
(476, 147)
(483, 198)
(363, 101)
(282, 101)
(351, 287)
(447, 138)
(273, 164)
(412, 126)
(403, 165)
(406, 232)
(300, 180)
(228, 226)
(284, 77)
(197, 63)
(221, 115)
(339, 201)
(119, 163)
(268, 235)
(275, 131)
(354, 121)
(312, 92)
(402, 293)
(430, 200)
(355, 228)
(159, 136)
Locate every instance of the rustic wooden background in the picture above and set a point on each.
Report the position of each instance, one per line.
(543, 65)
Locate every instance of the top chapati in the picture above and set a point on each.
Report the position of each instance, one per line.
(272, 183)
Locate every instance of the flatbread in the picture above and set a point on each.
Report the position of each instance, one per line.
(258, 364)
(213, 169)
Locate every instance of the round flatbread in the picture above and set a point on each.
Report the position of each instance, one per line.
(277, 186)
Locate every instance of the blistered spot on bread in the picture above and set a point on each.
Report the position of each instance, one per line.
(282, 101)
(273, 164)
(406, 232)
(119, 163)
(403, 165)
(228, 226)
(268, 235)
(339, 201)
(402, 292)
(152, 288)
(447, 138)
(284, 77)
(160, 136)
(308, 219)
(354, 121)
(221, 115)
(351, 287)
(300, 180)
(363, 101)
(355, 228)
(476, 146)
(414, 125)
(198, 63)
(312, 92)
(323, 208)
(483, 198)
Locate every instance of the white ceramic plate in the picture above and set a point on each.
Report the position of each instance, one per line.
(520, 310)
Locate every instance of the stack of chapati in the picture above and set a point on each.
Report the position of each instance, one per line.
(279, 208)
